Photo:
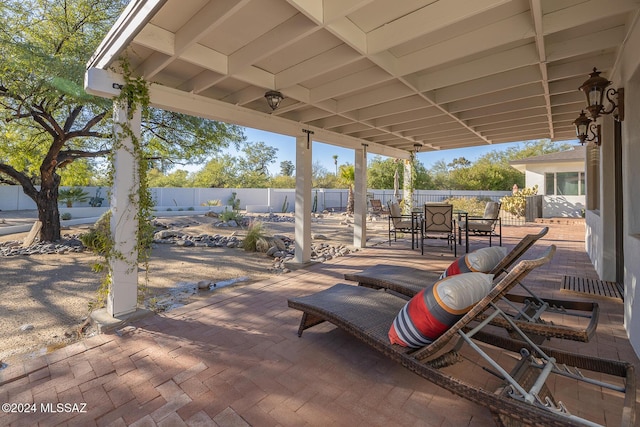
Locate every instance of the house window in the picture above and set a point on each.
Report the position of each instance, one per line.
(564, 184)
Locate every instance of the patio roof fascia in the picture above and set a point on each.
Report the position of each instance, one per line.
(133, 19)
(103, 83)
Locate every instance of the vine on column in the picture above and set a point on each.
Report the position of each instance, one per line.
(134, 93)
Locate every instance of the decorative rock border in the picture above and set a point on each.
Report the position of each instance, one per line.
(279, 247)
(70, 243)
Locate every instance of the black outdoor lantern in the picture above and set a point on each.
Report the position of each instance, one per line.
(595, 90)
(586, 129)
(273, 98)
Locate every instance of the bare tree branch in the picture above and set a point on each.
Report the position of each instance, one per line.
(45, 125)
(73, 115)
(22, 179)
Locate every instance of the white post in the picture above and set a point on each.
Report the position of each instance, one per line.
(360, 196)
(123, 293)
(303, 199)
(407, 187)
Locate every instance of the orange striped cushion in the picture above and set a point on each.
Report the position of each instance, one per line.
(482, 260)
(435, 309)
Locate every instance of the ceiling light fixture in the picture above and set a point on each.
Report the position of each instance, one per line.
(273, 98)
(595, 90)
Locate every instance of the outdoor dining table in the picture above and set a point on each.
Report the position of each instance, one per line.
(462, 214)
(416, 222)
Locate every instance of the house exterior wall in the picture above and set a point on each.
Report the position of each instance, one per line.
(600, 238)
(631, 183)
(563, 206)
(556, 206)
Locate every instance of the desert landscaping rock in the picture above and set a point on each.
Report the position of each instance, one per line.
(204, 284)
(50, 285)
(67, 244)
(278, 247)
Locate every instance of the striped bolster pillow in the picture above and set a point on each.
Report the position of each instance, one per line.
(483, 261)
(435, 309)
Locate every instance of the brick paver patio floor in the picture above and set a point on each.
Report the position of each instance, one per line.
(234, 359)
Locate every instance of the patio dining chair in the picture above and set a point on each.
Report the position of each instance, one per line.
(489, 224)
(438, 223)
(399, 223)
(527, 374)
(377, 207)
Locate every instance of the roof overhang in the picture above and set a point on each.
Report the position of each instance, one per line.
(388, 74)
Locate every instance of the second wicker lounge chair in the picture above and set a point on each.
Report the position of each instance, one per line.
(528, 311)
(524, 393)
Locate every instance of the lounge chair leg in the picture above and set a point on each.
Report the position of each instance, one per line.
(308, 321)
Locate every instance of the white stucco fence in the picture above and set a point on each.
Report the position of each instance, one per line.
(171, 200)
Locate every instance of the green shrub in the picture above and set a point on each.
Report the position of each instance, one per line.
(98, 238)
(234, 202)
(190, 208)
(212, 203)
(516, 203)
(255, 232)
(228, 215)
(65, 216)
(472, 205)
(72, 195)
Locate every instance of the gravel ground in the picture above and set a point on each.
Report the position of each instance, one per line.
(45, 298)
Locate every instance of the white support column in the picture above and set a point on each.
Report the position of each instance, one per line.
(123, 294)
(360, 196)
(607, 269)
(407, 187)
(303, 199)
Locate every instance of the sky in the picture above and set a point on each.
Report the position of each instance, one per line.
(323, 153)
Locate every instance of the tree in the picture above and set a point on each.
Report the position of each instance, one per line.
(253, 165)
(491, 171)
(287, 168)
(380, 174)
(335, 162)
(219, 172)
(459, 162)
(530, 149)
(321, 177)
(178, 178)
(440, 173)
(48, 121)
(422, 177)
(81, 172)
(348, 178)
(282, 181)
(250, 170)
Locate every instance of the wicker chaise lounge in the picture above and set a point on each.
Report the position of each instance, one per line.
(528, 309)
(521, 394)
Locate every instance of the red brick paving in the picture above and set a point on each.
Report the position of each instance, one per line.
(234, 359)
